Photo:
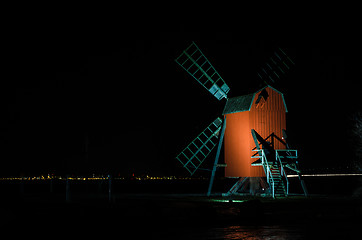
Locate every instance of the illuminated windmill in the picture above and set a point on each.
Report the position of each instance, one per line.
(254, 128)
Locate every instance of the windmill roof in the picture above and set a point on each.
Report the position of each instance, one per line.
(238, 104)
(244, 102)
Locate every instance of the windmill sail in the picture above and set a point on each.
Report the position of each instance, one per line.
(197, 65)
(276, 66)
(197, 151)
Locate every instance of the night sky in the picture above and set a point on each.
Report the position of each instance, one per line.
(118, 92)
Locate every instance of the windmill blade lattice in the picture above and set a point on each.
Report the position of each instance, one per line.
(197, 151)
(276, 66)
(197, 65)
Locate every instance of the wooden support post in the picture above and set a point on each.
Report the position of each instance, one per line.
(216, 158)
(109, 188)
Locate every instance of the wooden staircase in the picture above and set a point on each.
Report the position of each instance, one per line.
(274, 163)
(277, 181)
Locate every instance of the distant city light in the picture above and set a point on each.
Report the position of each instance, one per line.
(327, 175)
(150, 178)
(100, 177)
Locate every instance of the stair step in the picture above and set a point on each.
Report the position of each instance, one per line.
(277, 178)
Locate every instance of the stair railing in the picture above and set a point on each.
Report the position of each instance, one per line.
(282, 170)
(265, 163)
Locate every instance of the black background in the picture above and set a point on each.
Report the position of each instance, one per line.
(112, 82)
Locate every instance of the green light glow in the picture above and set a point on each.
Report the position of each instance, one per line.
(226, 200)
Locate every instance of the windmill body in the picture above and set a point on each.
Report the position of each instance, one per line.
(265, 112)
(253, 127)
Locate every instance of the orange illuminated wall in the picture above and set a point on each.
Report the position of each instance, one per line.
(264, 111)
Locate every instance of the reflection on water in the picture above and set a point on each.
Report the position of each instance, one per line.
(250, 233)
(309, 231)
(261, 232)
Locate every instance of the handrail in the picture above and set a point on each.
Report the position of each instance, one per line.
(289, 151)
(291, 154)
(268, 168)
(282, 170)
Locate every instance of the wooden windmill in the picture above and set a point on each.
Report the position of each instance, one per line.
(253, 128)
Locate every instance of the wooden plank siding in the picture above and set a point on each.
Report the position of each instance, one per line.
(268, 117)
